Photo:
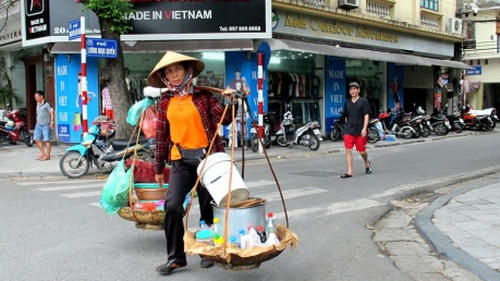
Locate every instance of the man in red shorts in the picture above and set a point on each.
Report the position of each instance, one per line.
(357, 117)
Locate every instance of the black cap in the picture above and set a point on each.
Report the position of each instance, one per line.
(354, 84)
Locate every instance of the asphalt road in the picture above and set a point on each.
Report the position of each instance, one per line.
(54, 229)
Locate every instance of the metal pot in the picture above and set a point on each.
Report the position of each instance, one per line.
(240, 218)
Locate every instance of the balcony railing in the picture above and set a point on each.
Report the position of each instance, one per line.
(379, 9)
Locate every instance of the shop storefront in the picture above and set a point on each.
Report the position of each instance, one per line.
(198, 29)
(394, 68)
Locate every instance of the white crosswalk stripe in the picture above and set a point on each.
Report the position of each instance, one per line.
(261, 189)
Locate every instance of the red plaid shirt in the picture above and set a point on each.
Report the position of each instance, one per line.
(211, 111)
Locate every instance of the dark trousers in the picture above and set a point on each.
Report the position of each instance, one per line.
(182, 179)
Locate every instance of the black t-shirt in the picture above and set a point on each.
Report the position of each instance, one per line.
(355, 113)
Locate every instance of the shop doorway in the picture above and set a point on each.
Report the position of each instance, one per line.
(413, 98)
(39, 76)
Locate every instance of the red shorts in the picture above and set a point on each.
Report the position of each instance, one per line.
(360, 142)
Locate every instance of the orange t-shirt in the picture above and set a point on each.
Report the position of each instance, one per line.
(186, 127)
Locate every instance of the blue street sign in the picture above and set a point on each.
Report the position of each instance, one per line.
(102, 48)
(74, 29)
(476, 71)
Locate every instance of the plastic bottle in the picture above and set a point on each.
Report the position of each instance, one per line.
(205, 236)
(215, 225)
(218, 240)
(203, 225)
(243, 239)
(262, 234)
(234, 241)
(271, 225)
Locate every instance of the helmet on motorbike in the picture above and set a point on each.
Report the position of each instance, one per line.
(9, 125)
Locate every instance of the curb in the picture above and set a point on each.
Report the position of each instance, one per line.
(441, 243)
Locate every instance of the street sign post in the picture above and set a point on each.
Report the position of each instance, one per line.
(102, 48)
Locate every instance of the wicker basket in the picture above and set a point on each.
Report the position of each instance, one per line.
(234, 258)
(151, 193)
(152, 220)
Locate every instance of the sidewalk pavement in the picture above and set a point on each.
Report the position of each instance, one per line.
(463, 226)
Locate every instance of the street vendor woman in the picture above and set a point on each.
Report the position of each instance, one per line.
(187, 122)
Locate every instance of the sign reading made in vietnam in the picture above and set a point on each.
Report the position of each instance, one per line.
(153, 20)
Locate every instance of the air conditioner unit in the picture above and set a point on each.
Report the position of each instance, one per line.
(454, 25)
(348, 4)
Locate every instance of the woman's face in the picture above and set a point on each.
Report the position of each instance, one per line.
(175, 73)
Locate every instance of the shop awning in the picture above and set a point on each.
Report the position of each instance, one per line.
(299, 46)
(163, 46)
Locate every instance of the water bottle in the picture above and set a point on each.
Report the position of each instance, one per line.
(234, 241)
(262, 234)
(215, 226)
(203, 225)
(271, 225)
(218, 240)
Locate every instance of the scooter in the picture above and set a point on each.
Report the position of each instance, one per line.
(398, 124)
(102, 152)
(307, 135)
(338, 128)
(475, 121)
(492, 112)
(269, 131)
(13, 128)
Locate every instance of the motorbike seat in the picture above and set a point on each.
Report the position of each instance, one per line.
(122, 144)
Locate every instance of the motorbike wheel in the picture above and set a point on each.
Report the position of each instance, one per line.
(335, 135)
(407, 133)
(255, 143)
(426, 131)
(74, 165)
(458, 127)
(373, 135)
(267, 142)
(440, 129)
(416, 134)
(280, 140)
(26, 136)
(314, 142)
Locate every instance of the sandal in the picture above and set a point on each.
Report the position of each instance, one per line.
(369, 170)
(345, 175)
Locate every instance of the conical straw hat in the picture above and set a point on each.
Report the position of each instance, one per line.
(168, 59)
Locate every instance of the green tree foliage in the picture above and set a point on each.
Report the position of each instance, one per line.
(112, 15)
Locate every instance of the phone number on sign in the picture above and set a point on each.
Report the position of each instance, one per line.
(239, 28)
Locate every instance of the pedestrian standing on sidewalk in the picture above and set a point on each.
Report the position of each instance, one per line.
(44, 124)
(357, 117)
(187, 121)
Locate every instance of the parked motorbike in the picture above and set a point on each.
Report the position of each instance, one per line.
(492, 112)
(102, 152)
(338, 128)
(269, 131)
(456, 121)
(439, 123)
(476, 121)
(375, 130)
(397, 122)
(307, 135)
(13, 128)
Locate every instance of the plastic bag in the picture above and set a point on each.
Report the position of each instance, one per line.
(136, 110)
(115, 191)
(144, 172)
(148, 124)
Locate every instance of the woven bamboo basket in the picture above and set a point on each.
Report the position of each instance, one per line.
(152, 220)
(233, 258)
(150, 193)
